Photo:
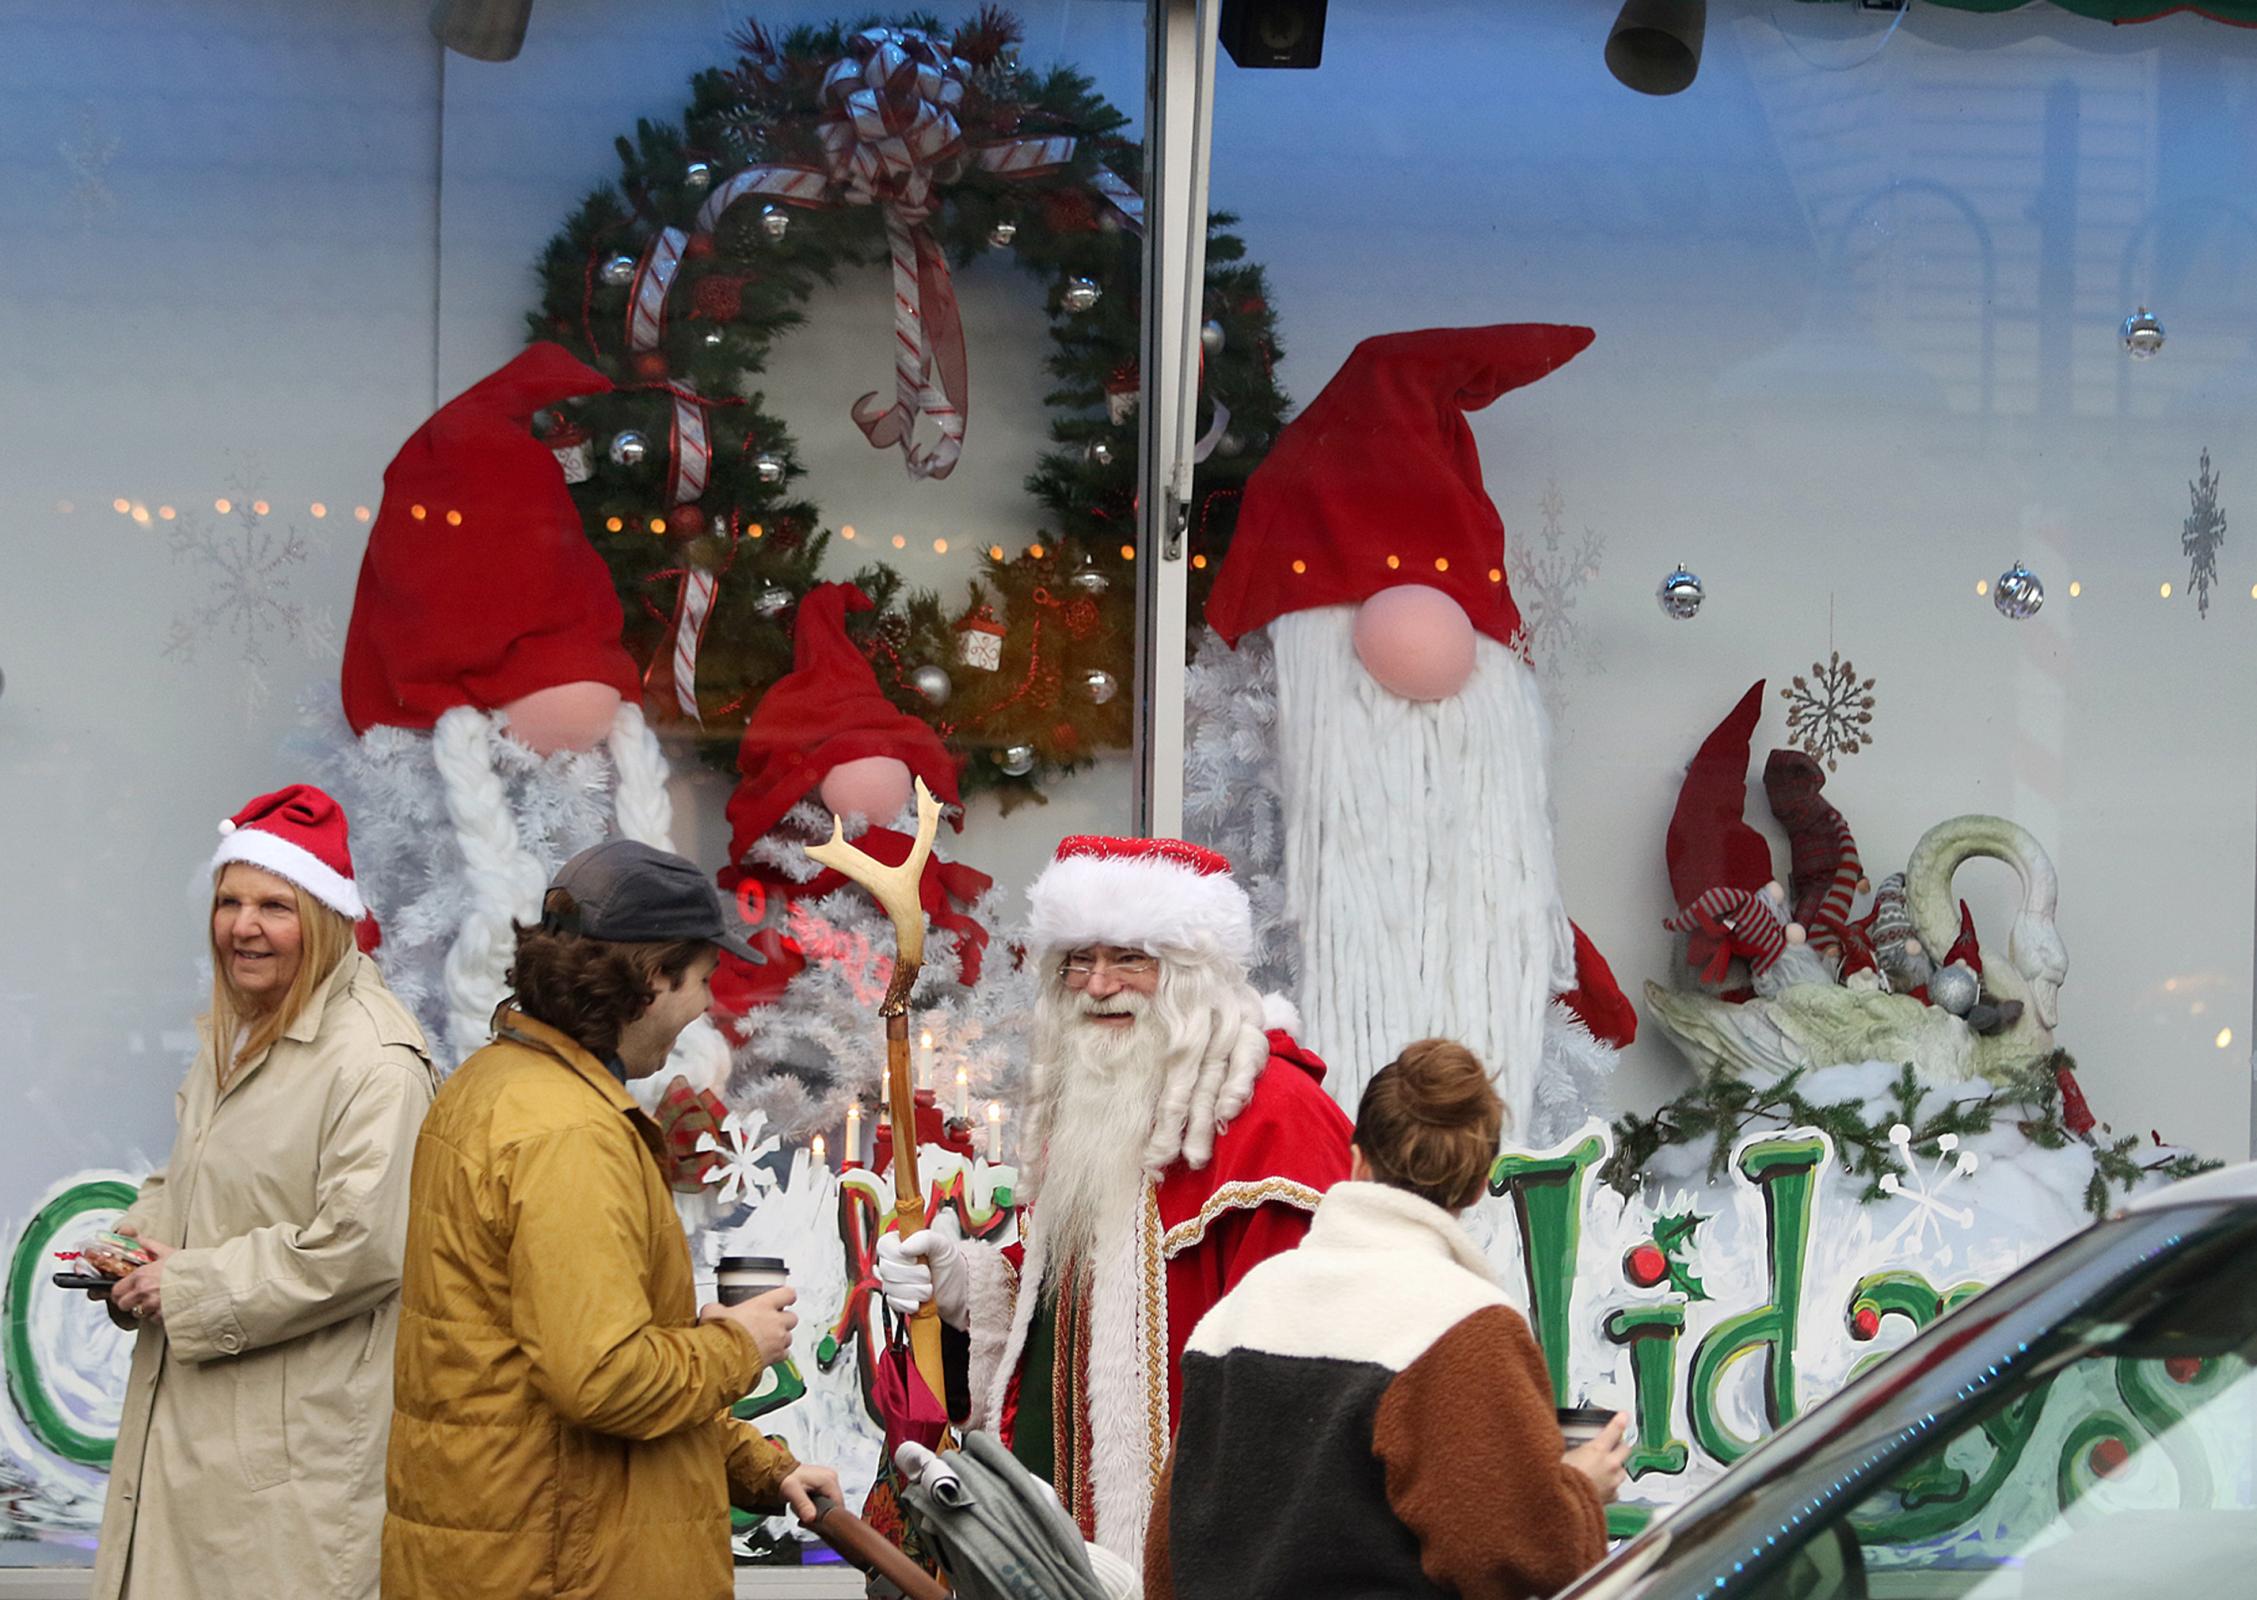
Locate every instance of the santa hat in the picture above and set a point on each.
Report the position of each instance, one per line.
(1378, 482)
(827, 710)
(1710, 844)
(479, 586)
(1142, 894)
(297, 833)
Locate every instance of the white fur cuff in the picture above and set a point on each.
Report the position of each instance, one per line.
(994, 1290)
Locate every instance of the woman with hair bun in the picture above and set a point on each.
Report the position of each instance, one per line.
(1376, 1384)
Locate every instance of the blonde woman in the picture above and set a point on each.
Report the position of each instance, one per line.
(250, 1459)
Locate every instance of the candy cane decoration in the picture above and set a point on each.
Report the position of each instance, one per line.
(646, 297)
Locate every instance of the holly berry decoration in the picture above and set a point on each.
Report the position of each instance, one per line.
(1865, 1324)
(1645, 1266)
(1672, 1243)
(2108, 1457)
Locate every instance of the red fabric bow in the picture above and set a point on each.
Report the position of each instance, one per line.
(1740, 924)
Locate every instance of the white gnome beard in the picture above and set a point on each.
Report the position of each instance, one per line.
(1418, 859)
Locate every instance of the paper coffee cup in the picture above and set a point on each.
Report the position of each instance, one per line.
(741, 1278)
(1582, 1424)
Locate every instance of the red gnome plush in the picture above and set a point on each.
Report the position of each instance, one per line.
(1412, 739)
(484, 614)
(826, 730)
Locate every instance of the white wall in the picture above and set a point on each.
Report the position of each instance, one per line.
(1784, 267)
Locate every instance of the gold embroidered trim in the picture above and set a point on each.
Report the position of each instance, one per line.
(1233, 1197)
(1155, 1343)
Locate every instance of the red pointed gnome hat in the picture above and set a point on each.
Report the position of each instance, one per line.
(1382, 464)
(479, 586)
(1710, 844)
(828, 709)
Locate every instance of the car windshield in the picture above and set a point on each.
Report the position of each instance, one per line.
(2088, 1425)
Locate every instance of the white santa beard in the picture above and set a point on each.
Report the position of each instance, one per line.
(1418, 859)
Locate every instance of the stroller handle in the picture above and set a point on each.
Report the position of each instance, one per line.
(863, 1547)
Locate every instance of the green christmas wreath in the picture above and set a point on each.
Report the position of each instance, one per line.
(837, 147)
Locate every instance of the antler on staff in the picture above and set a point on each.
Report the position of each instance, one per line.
(895, 889)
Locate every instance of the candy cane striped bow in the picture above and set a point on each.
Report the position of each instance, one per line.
(891, 139)
(1741, 924)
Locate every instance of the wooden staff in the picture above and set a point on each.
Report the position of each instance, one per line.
(896, 889)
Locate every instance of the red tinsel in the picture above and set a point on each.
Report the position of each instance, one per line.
(718, 297)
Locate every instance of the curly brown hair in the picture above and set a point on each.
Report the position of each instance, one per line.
(590, 989)
(1429, 1122)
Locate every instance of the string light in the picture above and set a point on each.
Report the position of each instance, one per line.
(1300, 567)
(2225, 1038)
(756, 530)
(141, 515)
(360, 513)
(1035, 550)
(167, 513)
(2166, 591)
(416, 512)
(223, 506)
(612, 524)
(995, 552)
(2075, 588)
(454, 519)
(847, 532)
(1393, 562)
(1441, 563)
(319, 510)
(1982, 586)
(900, 543)
(1128, 552)
(940, 547)
(259, 506)
(121, 507)
(658, 524)
(1199, 563)
(1496, 574)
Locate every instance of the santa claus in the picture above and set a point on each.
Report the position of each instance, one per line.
(1175, 1143)
(484, 618)
(1412, 739)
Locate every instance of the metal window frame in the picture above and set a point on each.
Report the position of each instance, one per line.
(1179, 86)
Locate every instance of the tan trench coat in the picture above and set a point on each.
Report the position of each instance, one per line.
(250, 1459)
(560, 1427)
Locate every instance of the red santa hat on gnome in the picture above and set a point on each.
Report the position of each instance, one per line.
(482, 612)
(1412, 738)
(827, 726)
(1179, 902)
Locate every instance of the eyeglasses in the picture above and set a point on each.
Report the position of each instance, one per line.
(1078, 968)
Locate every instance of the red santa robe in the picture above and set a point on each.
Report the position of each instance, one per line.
(1097, 1364)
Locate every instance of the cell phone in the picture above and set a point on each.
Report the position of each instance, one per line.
(84, 1280)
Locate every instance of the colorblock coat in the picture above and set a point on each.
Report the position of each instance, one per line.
(561, 1423)
(250, 1457)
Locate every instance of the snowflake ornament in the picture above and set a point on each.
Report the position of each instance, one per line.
(247, 595)
(1546, 585)
(1925, 1190)
(2201, 534)
(1830, 713)
(743, 1178)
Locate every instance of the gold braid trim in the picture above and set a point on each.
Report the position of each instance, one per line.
(1235, 1197)
(1155, 1341)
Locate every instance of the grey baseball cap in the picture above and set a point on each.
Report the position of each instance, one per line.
(628, 892)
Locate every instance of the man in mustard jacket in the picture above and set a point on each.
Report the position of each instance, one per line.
(560, 1402)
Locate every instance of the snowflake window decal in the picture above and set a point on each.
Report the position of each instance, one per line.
(1830, 712)
(743, 1178)
(1925, 1188)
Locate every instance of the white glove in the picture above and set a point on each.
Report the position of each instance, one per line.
(926, 1267)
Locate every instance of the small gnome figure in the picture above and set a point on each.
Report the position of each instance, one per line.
(826, 732)
(1412, 740)
(485, 641)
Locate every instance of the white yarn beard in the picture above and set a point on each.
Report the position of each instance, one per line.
(506, 881)
(1418, 860)
(1101, 1093)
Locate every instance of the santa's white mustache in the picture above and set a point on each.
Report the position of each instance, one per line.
(1125, 1004)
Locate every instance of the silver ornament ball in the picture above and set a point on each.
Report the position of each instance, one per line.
(775, 221)
(1100, 453)
(768, 468)
(2018, 594)
(933, 683)
(1016, 760)
(2143, 334)
(1089, 580)
(629, 447)
(1211, 338)
(1099, 685)
(698, 175)
(1000, 236)
(1954, 988)
(1079, 295)
(1681, 594)
(772, 601)
(619, 270)
(1230, 444)
(713, 338)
